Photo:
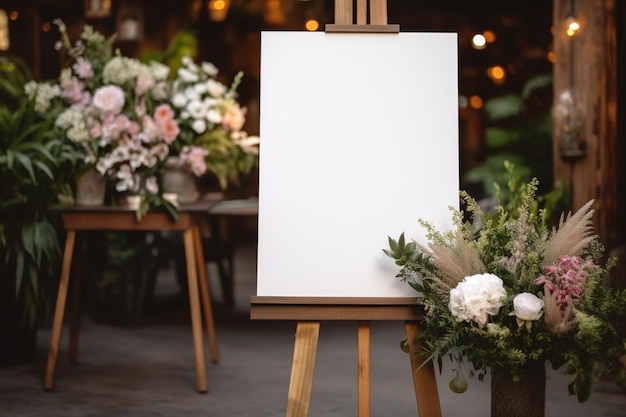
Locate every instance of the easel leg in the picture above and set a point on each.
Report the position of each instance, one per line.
(194, 305)
(59, 309)
(302, 367)
(205, 295)
(425, 382)
(364, 368)
(75, 314)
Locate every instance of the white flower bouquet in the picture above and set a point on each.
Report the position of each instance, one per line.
(211, 123)
(505, 289)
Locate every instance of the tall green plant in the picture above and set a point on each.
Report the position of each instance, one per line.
(34, 167)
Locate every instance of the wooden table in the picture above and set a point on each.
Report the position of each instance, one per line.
(108, 218)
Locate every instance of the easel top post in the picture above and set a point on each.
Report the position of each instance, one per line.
(344, 17)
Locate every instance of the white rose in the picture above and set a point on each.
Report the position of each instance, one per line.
(179, 100)
(214, 116)
(476, 297)
(527, 308)
(187, 76)
(109, 99)
(209, 69)
(216, 88)
(199, 126)
(196, 109)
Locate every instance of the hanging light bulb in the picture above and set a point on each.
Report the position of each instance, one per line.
(572, 24)
(218, 10)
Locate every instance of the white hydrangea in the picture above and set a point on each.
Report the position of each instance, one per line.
(179, 100)
(159, 71)
(476, 297)
(122, 70)
(68, 118)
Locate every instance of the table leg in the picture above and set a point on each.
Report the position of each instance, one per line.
(75, 312)
(205, 295)
(59, 309)
(194, 305)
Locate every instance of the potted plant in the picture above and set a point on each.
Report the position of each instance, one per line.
(33, 166)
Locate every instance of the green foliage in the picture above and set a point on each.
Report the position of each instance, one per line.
(519, 131)
(184, 43)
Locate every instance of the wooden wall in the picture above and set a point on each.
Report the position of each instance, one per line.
(587, 66)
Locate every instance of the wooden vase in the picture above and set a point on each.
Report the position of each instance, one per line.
(523, 398)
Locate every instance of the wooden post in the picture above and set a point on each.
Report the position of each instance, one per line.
(586, 65)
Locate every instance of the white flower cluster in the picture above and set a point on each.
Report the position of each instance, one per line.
(203, 102)
(44, 93)
(130, 72)
(74, 121)
(476, 297)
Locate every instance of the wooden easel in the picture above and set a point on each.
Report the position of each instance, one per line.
(344, 17)
(310, 311)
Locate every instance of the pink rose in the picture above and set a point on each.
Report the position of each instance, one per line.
(109, 99)
(144, 84)
(163, 113)
(234, 119)
(170, 131)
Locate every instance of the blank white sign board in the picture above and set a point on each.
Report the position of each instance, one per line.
(359, 139)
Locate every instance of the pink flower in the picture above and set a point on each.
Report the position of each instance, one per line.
(164, 118)
(144, 84)
(72, 90)
(95, 130)
(193, 158)
(565, 281)
(170, 131)
(109, 99)
(163, 113)
(83, 68)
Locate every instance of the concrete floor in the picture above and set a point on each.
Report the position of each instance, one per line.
(148, 369)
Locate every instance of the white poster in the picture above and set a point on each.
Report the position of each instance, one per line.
(359, 139)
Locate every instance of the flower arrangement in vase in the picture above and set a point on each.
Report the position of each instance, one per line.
(504, 290)
(115, 111)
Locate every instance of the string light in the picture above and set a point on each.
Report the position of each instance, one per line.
(478, 41)
(312, 25)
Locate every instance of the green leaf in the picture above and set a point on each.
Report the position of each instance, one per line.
(504, 107)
